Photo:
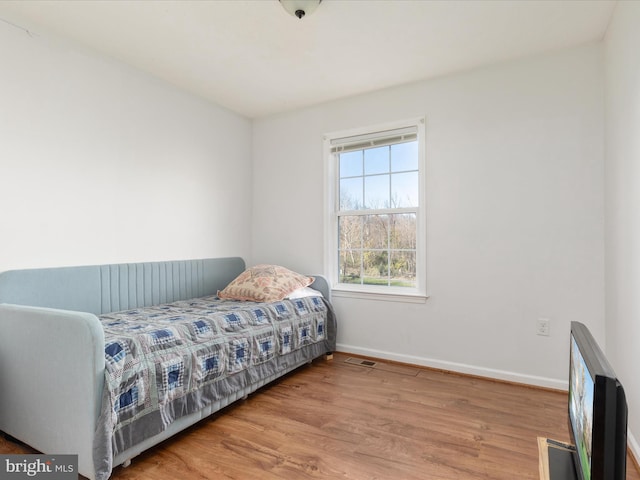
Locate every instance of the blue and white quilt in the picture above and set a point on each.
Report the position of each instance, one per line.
(167, 361)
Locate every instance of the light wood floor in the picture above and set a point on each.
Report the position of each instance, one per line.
(333, 420)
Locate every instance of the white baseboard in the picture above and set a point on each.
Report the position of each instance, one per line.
(458, 367)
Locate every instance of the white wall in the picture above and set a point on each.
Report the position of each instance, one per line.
(101, 163)
(622, 199)
(514, 214)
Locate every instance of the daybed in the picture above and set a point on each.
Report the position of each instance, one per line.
(64, 389)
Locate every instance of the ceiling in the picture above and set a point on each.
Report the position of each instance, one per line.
(252, 57)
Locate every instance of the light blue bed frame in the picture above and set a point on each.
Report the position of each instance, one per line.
(48, 321)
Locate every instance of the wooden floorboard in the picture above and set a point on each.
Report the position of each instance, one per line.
(338, 420)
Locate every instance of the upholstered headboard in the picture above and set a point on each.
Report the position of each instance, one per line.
(108, 288)
(101, 289)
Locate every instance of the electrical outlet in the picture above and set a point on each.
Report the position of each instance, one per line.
(543, 327)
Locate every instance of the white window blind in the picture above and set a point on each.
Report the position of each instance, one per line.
(377, 139)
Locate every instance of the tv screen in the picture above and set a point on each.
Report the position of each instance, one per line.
(581, 408)
(597, 410)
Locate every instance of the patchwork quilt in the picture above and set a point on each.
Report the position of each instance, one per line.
(170, 360)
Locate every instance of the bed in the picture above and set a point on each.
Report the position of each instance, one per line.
(107, 361)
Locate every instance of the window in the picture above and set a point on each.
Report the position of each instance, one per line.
(376, 225)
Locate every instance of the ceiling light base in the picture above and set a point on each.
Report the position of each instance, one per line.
(300, 8)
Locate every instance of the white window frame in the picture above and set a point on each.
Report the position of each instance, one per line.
(376, 292)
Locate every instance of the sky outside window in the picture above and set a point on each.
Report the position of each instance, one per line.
(380, 177)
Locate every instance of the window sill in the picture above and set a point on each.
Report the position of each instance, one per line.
(385, 297)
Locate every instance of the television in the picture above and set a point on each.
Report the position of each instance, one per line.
(597, 411)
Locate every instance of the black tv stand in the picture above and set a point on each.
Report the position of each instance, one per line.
(556, 460)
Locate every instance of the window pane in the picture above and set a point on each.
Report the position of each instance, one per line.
(375, 267)
(404, 156)
(403, 231)
(351, 164)
(376, 228)
(403, 269)
(376, 191)
(376, 160)
(349, 266)
(404, 190)
(351, 193)
(350, 231)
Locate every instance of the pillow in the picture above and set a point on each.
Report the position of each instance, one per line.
(304, 292)
(264, 283)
